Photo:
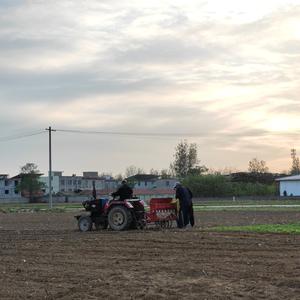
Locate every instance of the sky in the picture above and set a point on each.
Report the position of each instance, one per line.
(224, 74)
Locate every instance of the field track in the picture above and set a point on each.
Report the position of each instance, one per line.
(43, 256)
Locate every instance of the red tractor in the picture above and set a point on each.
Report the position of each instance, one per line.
(127, 214)
(118, 215)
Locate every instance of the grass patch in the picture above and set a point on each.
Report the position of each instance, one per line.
(245, 205)
(265, 228)
(39, 207)
(32, 210)
(246, 202)
(199, 208)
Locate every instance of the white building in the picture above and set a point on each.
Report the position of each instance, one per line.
(73, 183)
(289, 186)
(149, 181)
(8, 187)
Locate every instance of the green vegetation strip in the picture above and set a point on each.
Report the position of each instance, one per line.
(246, 202)
(266, 228)
(247, 208)
(225, 205)
(39, 207)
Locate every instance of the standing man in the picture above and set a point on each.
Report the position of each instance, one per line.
(124, 191)
(186, 211)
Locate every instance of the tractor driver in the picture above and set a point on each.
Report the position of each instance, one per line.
(124, 191)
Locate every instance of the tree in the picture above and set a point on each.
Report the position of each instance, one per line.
(133, 170)
(165, 174)
(257, 166)
(295, 163)
(118, 177)
(30, 185)
(105, 175)
(185, 160)
(154, 172)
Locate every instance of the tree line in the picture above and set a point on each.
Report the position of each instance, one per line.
(258, 181)
(186, 167)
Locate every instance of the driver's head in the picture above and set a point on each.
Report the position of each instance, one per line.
(124, 181)
(176, 185)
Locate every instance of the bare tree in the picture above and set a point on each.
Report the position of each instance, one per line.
(118, 177)
(164, 174)
(257, 166)
(154, 172)
(295, 163)
(133, 170)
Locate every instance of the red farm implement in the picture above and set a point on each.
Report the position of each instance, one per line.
(163, 211)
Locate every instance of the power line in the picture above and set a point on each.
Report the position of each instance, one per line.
(150, 134)
(20, 136)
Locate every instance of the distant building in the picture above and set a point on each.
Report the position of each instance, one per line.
(90, 174)
(8, 187)
(289, 186)
(147, 194)
(78, 184)
(149, 181)
(146, 186)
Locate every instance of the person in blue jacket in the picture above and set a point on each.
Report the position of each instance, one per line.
(186, 211)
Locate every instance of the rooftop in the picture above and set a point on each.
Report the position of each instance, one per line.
(289, 178)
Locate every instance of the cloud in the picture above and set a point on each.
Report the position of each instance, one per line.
(69, 85)
(291, 47)
(222, 74)
(166, 50)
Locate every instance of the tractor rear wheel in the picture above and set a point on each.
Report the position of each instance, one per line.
(119, 218)
(85, 223)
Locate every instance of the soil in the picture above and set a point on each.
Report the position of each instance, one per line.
(44, 256)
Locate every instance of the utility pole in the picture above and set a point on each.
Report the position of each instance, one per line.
(50, 167)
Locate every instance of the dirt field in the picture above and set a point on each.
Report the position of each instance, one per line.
(43, 256)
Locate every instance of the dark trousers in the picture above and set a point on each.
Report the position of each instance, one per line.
(185, 216)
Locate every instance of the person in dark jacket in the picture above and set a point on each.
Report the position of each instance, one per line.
(124, 191)
(186, 211)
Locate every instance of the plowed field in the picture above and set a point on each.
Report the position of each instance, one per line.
(43, 256)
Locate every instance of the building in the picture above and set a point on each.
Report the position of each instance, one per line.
(8, 187)
(146, 186)
(149, 181)
(78, 184)
(289, 186)
(147, 194)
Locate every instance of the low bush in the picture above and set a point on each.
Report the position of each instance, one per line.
(222, 186)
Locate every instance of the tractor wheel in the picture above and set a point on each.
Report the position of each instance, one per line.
(141, 224)
(119, 218)
(85, 223)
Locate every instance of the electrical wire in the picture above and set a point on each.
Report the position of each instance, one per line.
(20, 136)
(146, 134)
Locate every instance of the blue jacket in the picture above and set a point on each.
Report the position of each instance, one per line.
(184, 195)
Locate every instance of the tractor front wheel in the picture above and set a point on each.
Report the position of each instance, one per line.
(85, 223)
(119, 218)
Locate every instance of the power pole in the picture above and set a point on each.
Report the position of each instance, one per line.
(50, 167)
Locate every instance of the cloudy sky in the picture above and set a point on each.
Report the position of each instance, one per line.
(222, 74)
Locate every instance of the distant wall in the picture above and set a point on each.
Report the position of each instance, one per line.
(66, 199)
(13, 200)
